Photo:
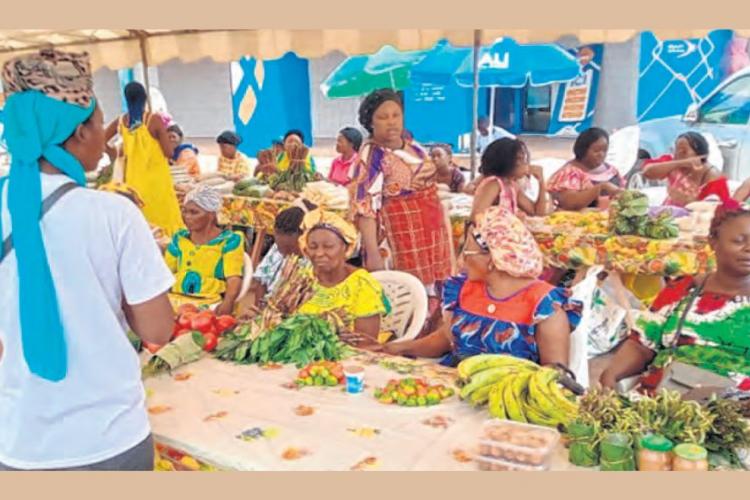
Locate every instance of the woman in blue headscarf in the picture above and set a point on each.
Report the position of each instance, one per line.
(76, 266)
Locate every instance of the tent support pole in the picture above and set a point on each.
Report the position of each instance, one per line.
(144, 62)
(475, 102)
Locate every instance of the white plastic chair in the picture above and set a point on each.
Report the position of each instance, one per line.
(247, 279)
(408, 300)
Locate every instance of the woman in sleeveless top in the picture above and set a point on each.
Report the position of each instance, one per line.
(504, 163)
(581, 182)
(147, 147)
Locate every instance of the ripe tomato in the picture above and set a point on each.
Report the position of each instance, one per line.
(186, 320)
(186, 308)
(224, 323)
(201, 323)
(211, 342)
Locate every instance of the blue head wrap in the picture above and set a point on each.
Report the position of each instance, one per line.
(36, 125)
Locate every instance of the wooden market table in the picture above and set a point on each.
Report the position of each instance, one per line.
(230, 417)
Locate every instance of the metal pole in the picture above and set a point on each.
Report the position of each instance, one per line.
(475, 102)
(144, 61)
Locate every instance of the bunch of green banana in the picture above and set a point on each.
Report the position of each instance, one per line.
(515, 389)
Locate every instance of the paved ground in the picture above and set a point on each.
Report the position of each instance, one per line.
(540, 147)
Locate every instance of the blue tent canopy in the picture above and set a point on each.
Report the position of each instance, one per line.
(503, 64)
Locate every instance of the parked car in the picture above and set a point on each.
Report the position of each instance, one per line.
(723, 114)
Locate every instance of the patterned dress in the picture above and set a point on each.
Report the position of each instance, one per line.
(239, 165)
(715, 335)
(573, 178)
(484, 324)
(359, 296)
(399, 188)
(201, 271)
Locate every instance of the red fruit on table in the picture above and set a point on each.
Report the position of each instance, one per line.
(201, 323)
(182, 331)
(211, 342)
(225, 322)
(185, 320)
(187, 308)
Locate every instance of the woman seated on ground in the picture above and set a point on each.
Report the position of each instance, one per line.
(501, 306)
(448, 172)
(233, 164)
(687, 172)
(287, 231)
(206, 260)
(185, 155)
(292, 140)
(328, 241)
(714, 335)
(347, 145)
(505, 162)
(581, 182)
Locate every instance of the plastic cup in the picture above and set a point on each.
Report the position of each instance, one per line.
(355, 379)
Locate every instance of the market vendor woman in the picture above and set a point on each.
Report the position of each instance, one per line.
(585, 180)
(328, 241)
(501, 306)
(395, 184)
(687, 172)
(714, 334)
(206, 260)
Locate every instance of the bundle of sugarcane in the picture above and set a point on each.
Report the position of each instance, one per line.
(294, 178)
(266, 164)
(295, 287)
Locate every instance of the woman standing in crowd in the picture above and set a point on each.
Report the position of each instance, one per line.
(395, 185)
(448, 172)
(147, 147)
(347, 146)
(68, 283)
(586, 180)
(687, 172)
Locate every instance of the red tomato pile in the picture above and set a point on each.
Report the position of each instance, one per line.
(190, 319)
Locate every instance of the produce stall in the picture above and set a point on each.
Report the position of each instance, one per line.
(212, 414)
(577, 240)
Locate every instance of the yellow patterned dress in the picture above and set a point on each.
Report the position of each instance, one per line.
(358, 296)
(201, 271)
(147, 171)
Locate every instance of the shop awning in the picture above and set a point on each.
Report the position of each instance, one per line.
(117, 49)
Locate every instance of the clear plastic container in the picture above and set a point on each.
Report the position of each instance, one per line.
(496, 464)
(516, 442)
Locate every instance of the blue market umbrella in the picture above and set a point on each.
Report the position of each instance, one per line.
(508, 64)
(503, 64)
(360, 75)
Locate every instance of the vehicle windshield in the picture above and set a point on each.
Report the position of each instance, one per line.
(730, 105)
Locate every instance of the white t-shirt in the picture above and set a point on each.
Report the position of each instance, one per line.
(100, 249)
(494, 134)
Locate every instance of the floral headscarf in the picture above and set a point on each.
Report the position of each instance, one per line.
(320, 219)
(510, 243)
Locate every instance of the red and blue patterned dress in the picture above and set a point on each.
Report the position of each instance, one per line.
(485, 324)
